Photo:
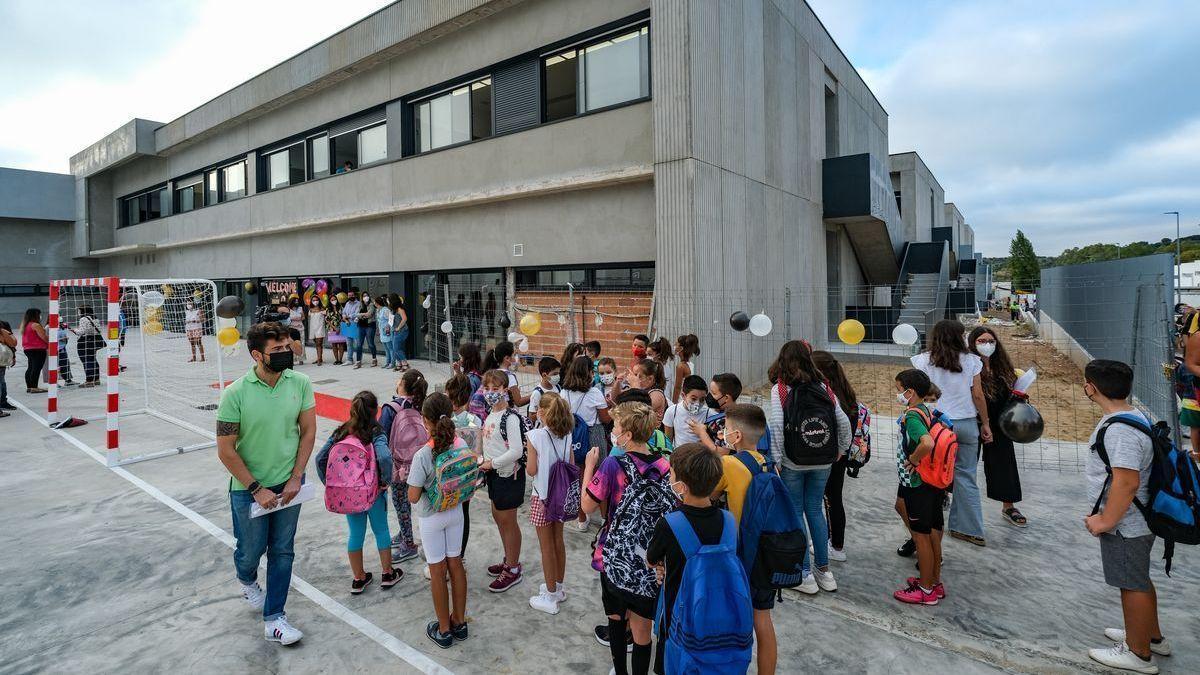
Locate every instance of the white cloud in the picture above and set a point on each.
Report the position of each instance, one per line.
(193, 56)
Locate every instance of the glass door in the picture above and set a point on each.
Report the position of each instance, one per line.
(237, 288)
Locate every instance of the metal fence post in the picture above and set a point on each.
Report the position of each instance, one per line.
(571, 308)
(450, 335)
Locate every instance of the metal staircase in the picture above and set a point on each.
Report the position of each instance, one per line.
(919, 299)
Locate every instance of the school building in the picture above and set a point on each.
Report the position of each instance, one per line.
(671, 161)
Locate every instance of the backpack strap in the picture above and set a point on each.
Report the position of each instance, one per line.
(1099, 449)
(729, 531)
(749, 462)
(685, 534)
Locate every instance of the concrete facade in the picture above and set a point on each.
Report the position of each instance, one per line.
(922, 199)
(714, 178)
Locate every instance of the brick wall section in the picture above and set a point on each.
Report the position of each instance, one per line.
(625, 314)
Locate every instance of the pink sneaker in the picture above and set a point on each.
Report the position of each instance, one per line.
(508, 578)
(938, 589)
(913, 595)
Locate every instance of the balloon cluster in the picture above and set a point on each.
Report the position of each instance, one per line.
(759, 324)
(228, 309)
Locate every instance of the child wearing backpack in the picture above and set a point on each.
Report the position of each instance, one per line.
(695, 548)
(548, 370)
(353, 484)
(689, 408)
(555, 498)
(922, 501)
(857, 455)
(635, 486)
(503, 454)
(1124, 534)
(444, 474)
(401, 422)
(744, 425)
(469, 428)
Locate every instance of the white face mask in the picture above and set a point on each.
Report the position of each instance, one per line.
(678, 493)
(554, 379)
(901, 398)
(608, 378)
(985, 348)
(612, 438)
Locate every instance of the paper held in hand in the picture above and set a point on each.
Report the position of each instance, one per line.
(307, 492)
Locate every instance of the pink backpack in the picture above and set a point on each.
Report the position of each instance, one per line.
(351, 477)
(406, 437)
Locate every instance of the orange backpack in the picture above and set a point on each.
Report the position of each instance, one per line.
(937, 468)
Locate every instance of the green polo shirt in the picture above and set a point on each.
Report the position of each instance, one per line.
(268, 432)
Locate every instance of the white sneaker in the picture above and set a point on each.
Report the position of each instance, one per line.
(825, 580)
(836, 555)
(545, 602)
(579, 526)
(1118, 656)
(559, 594)
(253, 595)
(1118, 635)
(281, 631)
(809, 585)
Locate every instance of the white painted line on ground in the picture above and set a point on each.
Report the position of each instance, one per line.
(385, 639)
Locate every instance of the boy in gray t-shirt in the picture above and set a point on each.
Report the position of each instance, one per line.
(1125, 538)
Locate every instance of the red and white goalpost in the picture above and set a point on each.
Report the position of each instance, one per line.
(163, 320)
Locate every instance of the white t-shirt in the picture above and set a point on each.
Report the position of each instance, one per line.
(677, 418)
(956, 402)
(1127, 448)
(549, 450)
(585, 404)
(503, 456)
(535, 396)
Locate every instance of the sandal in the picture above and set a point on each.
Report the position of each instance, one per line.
(969, 538)
(1014, 517)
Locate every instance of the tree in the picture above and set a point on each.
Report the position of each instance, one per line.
(1023, 262)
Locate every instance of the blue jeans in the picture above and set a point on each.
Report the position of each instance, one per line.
(3, 386)
(377, 514)
(273, 534)
(353, 345)
(398, 339)
(966, 512)
(367, 338)
(807, 489)
(387, 350)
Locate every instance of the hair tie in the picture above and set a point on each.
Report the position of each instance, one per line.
(443, 417)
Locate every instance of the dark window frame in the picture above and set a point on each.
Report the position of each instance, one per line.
(414, 105)
(124, 202)
(527, 277)
(265, 164)
(581, 45)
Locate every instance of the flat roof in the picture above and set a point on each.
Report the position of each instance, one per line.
(36, 195)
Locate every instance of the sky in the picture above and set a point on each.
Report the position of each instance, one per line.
(1076, 121)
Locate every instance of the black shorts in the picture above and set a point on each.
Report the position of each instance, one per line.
(924, 506)
(617, 601)
(762, 598)
(506, 493)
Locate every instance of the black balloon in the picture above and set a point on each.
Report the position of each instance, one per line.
(1022, 422)
(505, 322)
(230, 307)
(739, 321)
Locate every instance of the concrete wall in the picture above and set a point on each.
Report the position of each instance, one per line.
(921, 196)
(36, 195)
(50, 243)
(739, 96)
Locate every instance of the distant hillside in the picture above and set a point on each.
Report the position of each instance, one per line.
(1101, 252)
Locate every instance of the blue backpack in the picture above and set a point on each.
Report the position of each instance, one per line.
(712, 624)
(772, 544)
(580, 440)
(1173, 508)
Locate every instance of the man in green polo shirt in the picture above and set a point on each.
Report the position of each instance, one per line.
(266, 425)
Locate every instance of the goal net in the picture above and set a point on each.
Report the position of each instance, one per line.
(142, 356)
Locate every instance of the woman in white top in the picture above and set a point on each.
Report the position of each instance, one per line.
(548, 445)
(686, 346)
(806, 472)
(193, 328)
(91, 340)
(956, 372)
(317, 328)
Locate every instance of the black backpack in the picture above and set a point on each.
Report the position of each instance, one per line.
(810, 435)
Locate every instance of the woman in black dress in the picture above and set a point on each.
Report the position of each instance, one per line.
(999, 456)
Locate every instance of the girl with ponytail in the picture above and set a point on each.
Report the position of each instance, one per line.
(410, 396)
(686, 346)
(363, 427)
(501, 357)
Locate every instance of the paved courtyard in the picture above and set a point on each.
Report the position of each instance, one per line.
(131, 570)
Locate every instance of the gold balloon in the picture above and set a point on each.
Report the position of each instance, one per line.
(152, 327)
(341, 297)
(531, 324)
(228, 336)
(851, 331)
(167, 291)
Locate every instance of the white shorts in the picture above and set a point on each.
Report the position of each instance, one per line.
(441, 535)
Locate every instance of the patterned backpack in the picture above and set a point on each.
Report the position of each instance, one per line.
(406, 437)
(351, 477)
(455, 477)
(646, 499)
(860, 447)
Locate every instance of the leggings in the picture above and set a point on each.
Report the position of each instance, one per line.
(379, 526)
(403, 514)
(833, 504)
(33, 370)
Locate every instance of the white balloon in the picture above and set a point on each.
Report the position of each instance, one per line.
(599, 320)
(153, 299)
(222, 322)
(515, 337)
(760, 325)
(447, 327)
(562, 319)
(427, 302)
(524, 346)
(905, 334)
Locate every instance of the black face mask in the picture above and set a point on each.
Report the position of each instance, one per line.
(277, 362)
(711, 401)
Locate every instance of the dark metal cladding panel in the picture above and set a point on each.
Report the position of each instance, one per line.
(517, 96)
(353, 123)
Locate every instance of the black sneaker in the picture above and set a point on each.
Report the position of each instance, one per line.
(359, 585)
(443, 640)
(459, 632)
(601, 633)
(388, 580)
(907, 549)
(7, 406)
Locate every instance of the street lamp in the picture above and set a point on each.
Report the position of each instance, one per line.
(1178, 251)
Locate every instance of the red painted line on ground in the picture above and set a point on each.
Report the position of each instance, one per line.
(335, 408)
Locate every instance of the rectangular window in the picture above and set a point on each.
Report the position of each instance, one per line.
(457, 116)
(149, 205)
(211, 194)
(831, 124)
(233, 181)
(189, 194)
(605, 73)
(285, 167)
(318, 150)
(345, 152)
(372, 144)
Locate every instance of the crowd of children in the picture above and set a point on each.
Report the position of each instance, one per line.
(690, 486)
